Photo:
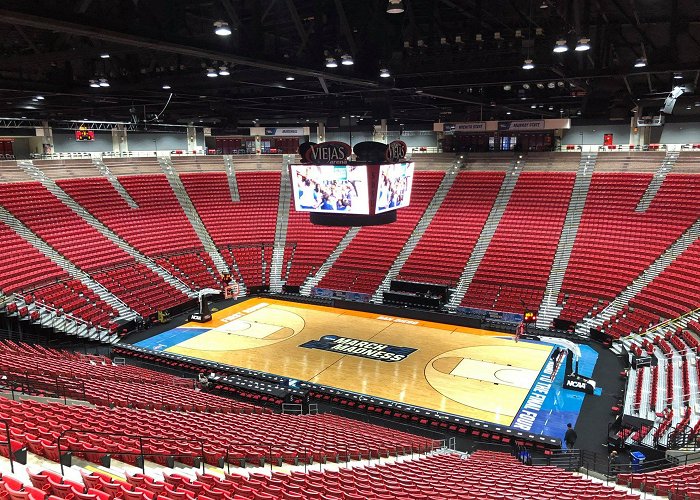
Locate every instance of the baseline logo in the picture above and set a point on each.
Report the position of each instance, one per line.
(579, 383)
(360, 348)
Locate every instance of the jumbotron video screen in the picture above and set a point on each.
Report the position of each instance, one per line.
(330, 188)
(394, 189)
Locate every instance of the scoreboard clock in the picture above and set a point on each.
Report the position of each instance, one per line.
(84, 134)
(529, 317)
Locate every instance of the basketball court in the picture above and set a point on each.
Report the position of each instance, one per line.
(466, 372)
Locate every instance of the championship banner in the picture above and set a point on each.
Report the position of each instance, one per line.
(509, 126)
(360, 348)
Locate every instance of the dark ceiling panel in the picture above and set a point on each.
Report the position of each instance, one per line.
(446, 57)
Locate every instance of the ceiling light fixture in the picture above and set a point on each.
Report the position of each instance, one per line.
(346, 60)
(331, 62)
(94, 84)
(166, 87)
(641, 62)
(395, 7)
(222, 28)
(583, 45)
(678, 76)
(544, 5)
(223, 71)
(104, 55)
(384, 73)
(528, 64)
(104, 82)
(211, 73)
(40, 98)
(560, 46)
(289, 78)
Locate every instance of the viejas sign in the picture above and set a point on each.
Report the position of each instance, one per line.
(361, 348)
(395, 151)
(325, 153)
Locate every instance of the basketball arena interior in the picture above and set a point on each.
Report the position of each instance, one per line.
(349, 249)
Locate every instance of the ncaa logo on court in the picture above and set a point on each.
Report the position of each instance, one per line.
(361, 348)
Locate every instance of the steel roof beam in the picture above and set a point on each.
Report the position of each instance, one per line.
(22, 19)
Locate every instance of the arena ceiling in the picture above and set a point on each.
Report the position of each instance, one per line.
(447, 60)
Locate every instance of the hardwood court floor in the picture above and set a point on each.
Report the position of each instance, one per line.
(464, 371)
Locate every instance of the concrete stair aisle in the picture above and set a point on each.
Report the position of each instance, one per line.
(410, 245)
(288, 267)
(231, 176)
(191, 213)
(632, 376)
(105, 171)
(667, 165)
(236, 271)
(646, 277)
(487, 232)
(35, 173)
(276, 280)
(314, 280)
(549, 309)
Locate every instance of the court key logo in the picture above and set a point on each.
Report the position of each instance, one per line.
(360, 348)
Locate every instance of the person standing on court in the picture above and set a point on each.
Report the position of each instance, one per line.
(570, 437)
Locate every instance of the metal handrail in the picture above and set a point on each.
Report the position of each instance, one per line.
(32, 384)
(140, 437)
(9, 443)
(663, 324)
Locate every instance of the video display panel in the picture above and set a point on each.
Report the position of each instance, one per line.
(330, 188)
(394, 189)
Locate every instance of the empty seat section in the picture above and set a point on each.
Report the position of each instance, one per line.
(257, 438)
(157, 226)
(74, 298)
(24, 267)
(59, 226)
(140, 288)
(241, 229)
(615, 243)
(307, 247)
(195, 268)
(97, 380)
(444, 248)
(673, 293)
(483, 475)
(518, 260)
